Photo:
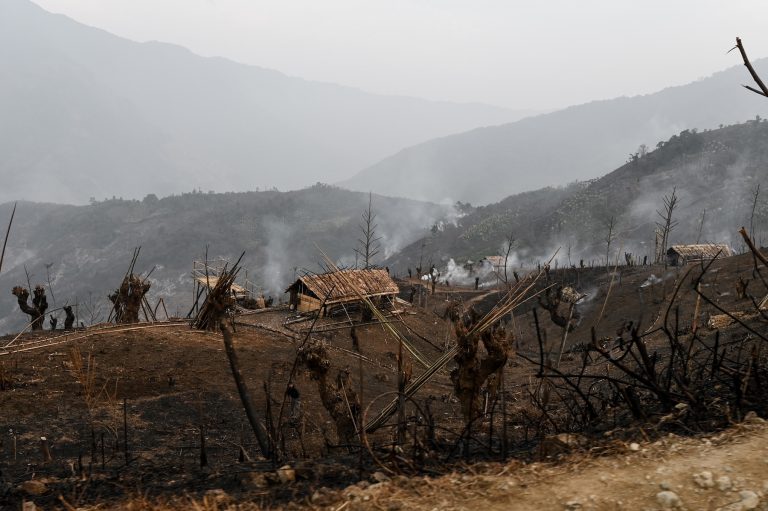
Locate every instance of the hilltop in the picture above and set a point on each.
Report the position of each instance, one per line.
(577, 143)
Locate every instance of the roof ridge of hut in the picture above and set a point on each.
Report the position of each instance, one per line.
(336, 286)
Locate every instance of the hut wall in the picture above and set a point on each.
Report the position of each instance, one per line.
(308, 303)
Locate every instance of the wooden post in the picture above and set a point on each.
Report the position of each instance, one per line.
(203, 453)
(400, 396)
(503, 416)
(125, 430)
(44, 449)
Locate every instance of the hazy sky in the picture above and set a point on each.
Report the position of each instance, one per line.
(519, 54)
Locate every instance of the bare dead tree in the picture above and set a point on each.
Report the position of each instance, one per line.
(763, 91)
(368, 244)
(93, 308)
(48, 278)
(755, 196)
(609, 237)
(667, 223)
(509, 244)
(701, 225)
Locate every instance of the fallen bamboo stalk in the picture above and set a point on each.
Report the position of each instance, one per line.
(511, 301)
(752, 247)
(242, 389)
(38, 344)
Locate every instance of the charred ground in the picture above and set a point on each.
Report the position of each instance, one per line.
(170, 389)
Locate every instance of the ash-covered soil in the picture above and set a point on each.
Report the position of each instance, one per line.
(171, 390)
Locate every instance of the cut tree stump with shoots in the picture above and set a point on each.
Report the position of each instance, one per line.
(36, 311)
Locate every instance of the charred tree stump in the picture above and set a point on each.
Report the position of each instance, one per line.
(472, 372)
(36, 311)
(560, 308)
(339, 397)
(128, 299)
(69, 320)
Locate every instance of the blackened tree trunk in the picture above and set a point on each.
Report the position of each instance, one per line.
(69, 320)
(36, 311)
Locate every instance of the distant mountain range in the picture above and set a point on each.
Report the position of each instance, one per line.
(84, 113)
(89, 247)
(578, 143)
(715, 175)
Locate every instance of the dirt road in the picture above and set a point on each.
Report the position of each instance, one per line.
(728, 471)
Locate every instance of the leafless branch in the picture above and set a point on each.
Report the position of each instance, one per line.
(763, 89)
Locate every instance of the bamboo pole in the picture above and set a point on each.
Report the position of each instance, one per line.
(242, 389)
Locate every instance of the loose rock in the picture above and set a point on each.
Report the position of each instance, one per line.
(380, 477)
(749, 499)
(704, 479)
(286, 474)
(724, 483)
(668, 499)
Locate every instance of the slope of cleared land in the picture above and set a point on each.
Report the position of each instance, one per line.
(171, 389)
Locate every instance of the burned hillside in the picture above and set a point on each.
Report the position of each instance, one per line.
(715, 173)
(278, 230)
(551, 363)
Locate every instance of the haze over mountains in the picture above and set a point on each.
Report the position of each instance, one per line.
(581, 142)
(88, 114)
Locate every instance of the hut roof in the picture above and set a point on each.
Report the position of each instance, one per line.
(211, 282)
(341, 284)
(703, 251)
(495, 260)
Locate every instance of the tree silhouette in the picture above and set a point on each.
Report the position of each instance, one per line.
(368, 245)
(666, 225)
(763, 91)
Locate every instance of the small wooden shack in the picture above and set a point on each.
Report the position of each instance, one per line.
(494, 264)
(308, 292)
(678, 255)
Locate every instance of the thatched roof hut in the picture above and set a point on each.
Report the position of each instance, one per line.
(678, 255)
(340, 287)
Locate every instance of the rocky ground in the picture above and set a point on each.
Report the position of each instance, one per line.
(727, 471)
